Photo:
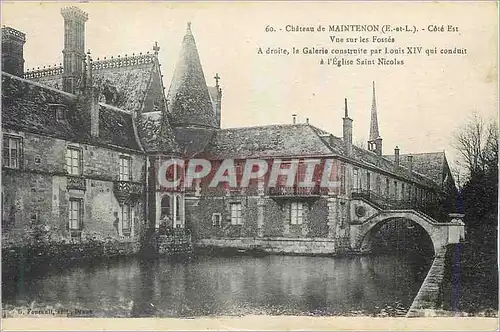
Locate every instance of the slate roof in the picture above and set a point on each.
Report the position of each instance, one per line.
(30, 107)
(299, 140)
(155, 133)
(193, 140)
(130, 75)
(430, 164)
(212, 90)
(188, 97)
(266, 141)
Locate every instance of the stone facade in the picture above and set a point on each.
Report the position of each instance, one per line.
(111, 122)
(37, 193)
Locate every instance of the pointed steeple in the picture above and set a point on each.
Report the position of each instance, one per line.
(188, 97)
(375, 141)
(374, 134)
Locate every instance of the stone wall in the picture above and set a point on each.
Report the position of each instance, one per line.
(176, 243)
(304, 246)
(36, 196)
(427, 300)
(261, 217)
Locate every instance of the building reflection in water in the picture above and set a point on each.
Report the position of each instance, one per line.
(229, 286)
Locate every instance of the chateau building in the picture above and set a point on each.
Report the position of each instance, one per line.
(82, 143)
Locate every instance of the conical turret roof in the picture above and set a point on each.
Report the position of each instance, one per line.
(188, 97)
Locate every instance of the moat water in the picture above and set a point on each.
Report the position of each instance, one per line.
(239, 285)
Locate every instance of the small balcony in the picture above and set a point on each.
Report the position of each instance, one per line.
(294, 191)
(283, 194)
(76, 182)
(125, 190)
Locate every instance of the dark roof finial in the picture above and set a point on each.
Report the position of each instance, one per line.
(156, 48)
(217, 78)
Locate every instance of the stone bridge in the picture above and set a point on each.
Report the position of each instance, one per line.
(363, 229)
(441, 234)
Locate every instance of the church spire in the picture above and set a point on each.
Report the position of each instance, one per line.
(374, 134)
(188, 97)
(375, 141)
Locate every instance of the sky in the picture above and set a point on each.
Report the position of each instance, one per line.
(420, 104)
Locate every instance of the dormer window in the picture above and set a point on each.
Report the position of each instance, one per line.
(59, 111)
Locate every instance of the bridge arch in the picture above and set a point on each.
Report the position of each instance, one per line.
(361, 234)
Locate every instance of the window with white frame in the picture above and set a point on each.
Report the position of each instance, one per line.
(74, 160)
(216, 219)
(126, 218)
(125, 166)
(12, 151)
(236, 214)
(75, 217)
(296, 213)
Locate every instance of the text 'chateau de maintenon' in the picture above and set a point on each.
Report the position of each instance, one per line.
(82, 141)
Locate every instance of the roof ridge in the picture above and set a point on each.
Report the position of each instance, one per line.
(417, 153)
(267, 125)
(40, 85)
(105, 63)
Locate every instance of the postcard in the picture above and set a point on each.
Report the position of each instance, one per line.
(249, 165)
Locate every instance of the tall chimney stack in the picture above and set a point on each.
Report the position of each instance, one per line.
(347, 130)
(410, 165)
(74, 47)
(12, 51)
(396, 156)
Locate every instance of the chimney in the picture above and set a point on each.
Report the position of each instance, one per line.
(294, 117)
(74, 47)
(307, 120)
(218, 100)
(396, 156)
(410, 165)
(12, 51)
(90, 95)
(347, 130)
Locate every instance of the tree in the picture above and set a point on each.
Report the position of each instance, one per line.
(477, 145)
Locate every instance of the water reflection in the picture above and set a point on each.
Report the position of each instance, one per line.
(228, 285)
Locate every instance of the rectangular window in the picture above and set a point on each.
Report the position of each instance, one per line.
(74, 160)
(75, 217)
(239, 173)
(236, 214)
(126, 220)
(355, 178)
(125, 166)
(402, 190)
(216, 219)
(368, 180)
(387, 192)
(342, 179)
(296, 213)
(12, 151)
(395, 189)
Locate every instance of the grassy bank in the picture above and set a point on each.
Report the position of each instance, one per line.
(471, 274)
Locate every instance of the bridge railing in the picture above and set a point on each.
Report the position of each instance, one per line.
(430, 208)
